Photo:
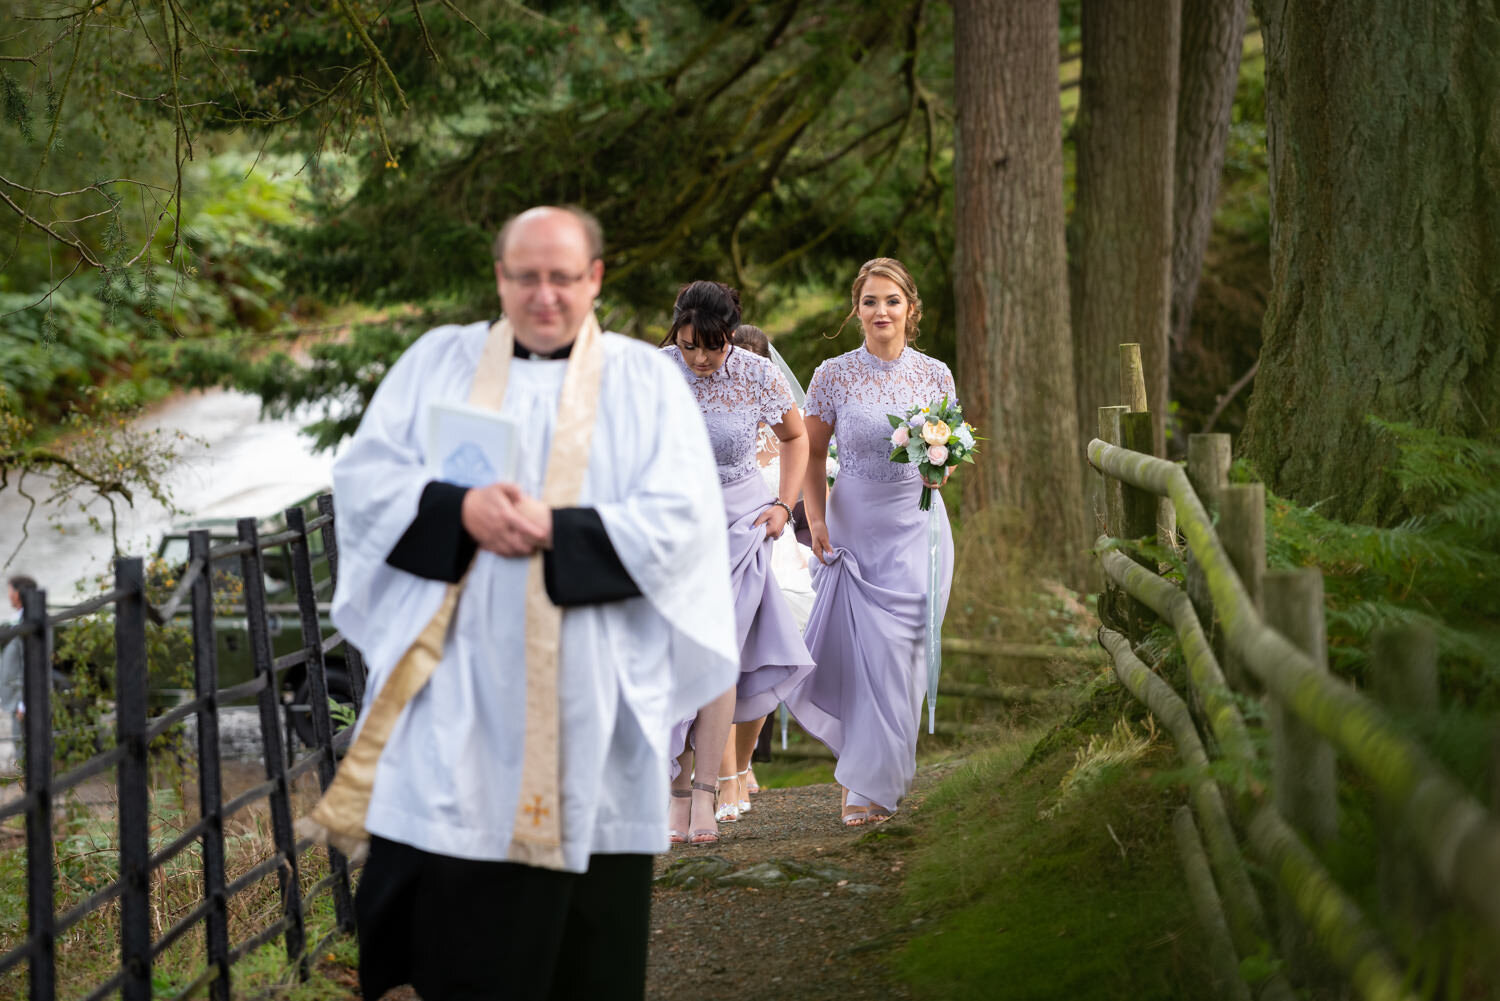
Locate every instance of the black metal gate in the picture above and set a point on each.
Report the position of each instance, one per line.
(134, 731)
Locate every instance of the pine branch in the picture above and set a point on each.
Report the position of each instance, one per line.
(50, 292)
(470, 21)
(96, 186)
(416, 9)
(31, 458)
(376, 55)
(26, 217)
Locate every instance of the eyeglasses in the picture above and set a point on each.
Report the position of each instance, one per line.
(533, 280)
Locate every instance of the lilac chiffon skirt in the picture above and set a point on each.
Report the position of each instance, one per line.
(865, 632)
(773, 658)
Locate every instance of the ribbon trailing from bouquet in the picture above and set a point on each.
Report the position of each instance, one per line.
(932, 636)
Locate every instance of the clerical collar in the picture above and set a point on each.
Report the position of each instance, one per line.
(523, 352)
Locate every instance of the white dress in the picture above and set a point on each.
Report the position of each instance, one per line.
(789, 558)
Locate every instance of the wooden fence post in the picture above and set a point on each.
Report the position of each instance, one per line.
(1133, 394)
(1303, 770)
(1208, 908)
(1139, 516)
(1242, 530)
(1112, 600)
(1133, 379)
(1403, 676)
(1303, 763)
(1208, 471)
(133, 784)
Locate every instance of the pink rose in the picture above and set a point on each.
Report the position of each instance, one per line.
(937, 455)
(900, 436)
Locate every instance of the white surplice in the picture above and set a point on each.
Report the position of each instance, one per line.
(449, 779)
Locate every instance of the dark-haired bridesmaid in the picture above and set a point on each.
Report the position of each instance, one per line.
(737, 391)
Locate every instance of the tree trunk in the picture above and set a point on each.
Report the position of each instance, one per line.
(1208, 72)
(1384, 152)
(1127, 122)
(1015, 359)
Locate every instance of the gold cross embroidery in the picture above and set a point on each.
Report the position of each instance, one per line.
(536, 811)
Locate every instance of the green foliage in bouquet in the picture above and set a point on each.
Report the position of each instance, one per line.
(935, 438)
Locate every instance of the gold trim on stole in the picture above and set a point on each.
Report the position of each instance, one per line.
(338, 819)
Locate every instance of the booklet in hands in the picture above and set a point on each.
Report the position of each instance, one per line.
(470, 446)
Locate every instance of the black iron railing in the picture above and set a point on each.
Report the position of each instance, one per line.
(134, 732)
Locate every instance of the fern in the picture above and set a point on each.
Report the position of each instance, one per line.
(1437, 570)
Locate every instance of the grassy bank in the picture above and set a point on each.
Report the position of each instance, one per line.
(87, 858)
(1045, 868)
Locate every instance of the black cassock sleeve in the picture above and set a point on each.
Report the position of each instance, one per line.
(581, 568)
(436, 545)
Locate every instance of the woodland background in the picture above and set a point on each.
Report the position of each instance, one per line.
(1292, 207)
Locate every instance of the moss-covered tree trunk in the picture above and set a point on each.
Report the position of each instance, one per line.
(1015, 358)
(1127, 122)
(1384, 145)
(1208, 71)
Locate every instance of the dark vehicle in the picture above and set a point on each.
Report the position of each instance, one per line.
(267, 503)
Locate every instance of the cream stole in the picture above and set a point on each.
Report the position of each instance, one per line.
(339, 817)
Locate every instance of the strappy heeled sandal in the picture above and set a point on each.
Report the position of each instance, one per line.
(727, 813)
(754, 786)
(703, 835)
(744, 791)
(676, 837)
(854, 816)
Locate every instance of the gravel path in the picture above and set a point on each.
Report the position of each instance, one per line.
(788, 905)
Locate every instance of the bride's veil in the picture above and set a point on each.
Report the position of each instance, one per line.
(798, 393)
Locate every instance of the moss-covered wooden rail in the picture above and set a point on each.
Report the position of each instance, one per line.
(1245, 635)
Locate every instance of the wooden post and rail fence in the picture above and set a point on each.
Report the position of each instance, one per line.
(1251, 636)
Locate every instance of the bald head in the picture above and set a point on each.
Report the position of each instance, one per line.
(588, 226)
(548, 269)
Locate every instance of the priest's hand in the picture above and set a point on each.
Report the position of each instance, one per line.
(490, 514)
(536, 514)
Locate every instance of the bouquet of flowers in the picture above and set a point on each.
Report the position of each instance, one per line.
(935, 437)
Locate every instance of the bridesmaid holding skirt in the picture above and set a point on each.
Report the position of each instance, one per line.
(865, 631)
(737, 391)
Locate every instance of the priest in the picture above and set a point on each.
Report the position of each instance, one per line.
(531, 632)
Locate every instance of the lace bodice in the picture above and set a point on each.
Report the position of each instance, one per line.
(744, 393)
(854, 392)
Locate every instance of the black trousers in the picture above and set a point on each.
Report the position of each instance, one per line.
(460, 930)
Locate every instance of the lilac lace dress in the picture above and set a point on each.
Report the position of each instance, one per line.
(865, 631)
(746, 391)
